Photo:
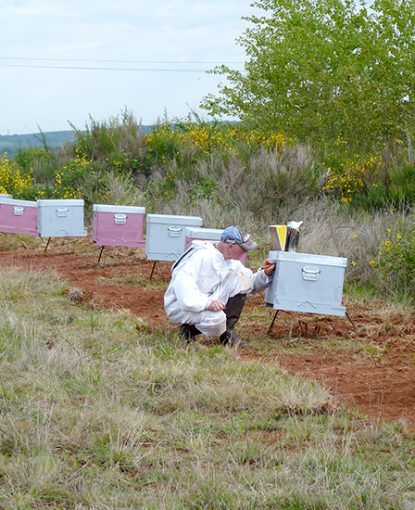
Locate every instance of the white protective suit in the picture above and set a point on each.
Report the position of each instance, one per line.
(201, 276)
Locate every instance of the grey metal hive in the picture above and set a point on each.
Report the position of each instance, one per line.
(307, 283)
(165, 235)
(61, 218)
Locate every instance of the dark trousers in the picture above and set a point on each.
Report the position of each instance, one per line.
(233, 310)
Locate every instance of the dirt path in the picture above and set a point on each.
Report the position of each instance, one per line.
(371, 368)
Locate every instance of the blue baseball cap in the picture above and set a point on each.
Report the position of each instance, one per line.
(235, 235)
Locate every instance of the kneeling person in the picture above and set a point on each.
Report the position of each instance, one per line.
(209, 286)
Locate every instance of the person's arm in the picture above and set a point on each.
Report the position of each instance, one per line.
(263, 277)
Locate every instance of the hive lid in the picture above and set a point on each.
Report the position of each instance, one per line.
(172, 219)
(118, 208)
(307, 258)
(70, 202)
(204, 233)
(14, 201)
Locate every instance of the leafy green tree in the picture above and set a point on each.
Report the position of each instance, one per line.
(326, 71)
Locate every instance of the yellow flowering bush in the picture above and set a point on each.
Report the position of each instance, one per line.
(396, 260)
(178, 152)
(167, 140)
(14, 181)
(352, 178)
(68, 181)
(162, 143)
(270, 141)
(364, 257)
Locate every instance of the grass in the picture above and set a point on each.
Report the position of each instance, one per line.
(136, 281)
(18, 242)
(97, 411)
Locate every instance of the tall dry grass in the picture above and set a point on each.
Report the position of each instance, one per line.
(249, 192)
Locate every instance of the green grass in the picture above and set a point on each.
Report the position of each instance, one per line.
(12, 242)
(96, 412)
(136, 281)
(360, 292)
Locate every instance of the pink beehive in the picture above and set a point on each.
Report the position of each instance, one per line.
(18, 217)
(118, 225)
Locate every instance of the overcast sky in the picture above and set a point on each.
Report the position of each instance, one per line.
(164, 38)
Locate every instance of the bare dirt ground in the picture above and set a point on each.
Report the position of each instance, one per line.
(371, 368)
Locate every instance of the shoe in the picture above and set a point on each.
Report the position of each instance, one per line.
(188, 332)
(232, 339)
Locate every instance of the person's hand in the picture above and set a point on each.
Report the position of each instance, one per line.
(268, 266)
(216, 305)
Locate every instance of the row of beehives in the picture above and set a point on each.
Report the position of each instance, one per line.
(164, 237)
(302, 282)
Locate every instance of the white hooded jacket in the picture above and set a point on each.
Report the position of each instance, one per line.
(202, 275)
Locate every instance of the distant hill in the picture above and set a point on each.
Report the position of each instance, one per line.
(10, 144)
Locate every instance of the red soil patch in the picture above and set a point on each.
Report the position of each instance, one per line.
(371, 368)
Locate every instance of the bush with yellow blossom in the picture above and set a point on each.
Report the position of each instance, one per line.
(352, 178)
(396, 260)
(167, 140)
(15, 181)
(68, 181)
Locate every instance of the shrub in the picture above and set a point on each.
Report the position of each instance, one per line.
(41, 163)
(396, 260)
(14, 180)
(396, 189)
(202, 139)
(258, 187)
(69, 181)
(162, 144)
(117, 144)
(374, 181)
(402, 188)
(352, 178)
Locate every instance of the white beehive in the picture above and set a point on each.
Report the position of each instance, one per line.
(307, 283)
(201, 234)
(61, 218)
(165, 235)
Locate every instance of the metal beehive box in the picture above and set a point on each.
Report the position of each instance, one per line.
(165, 235)
(118, 225)
(207, 234)
(201, 234)
(307, 283)
(18, 216)
(61, 218)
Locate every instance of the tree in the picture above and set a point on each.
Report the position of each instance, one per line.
(325, 71)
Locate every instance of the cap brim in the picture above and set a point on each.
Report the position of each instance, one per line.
(248, 245)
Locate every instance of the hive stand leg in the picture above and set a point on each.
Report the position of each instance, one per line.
(272, 323)
(47, 244)
(152, 269)
(100, 254)
(348, 316)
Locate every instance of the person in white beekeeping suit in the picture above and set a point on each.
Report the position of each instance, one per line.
(209, 286)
